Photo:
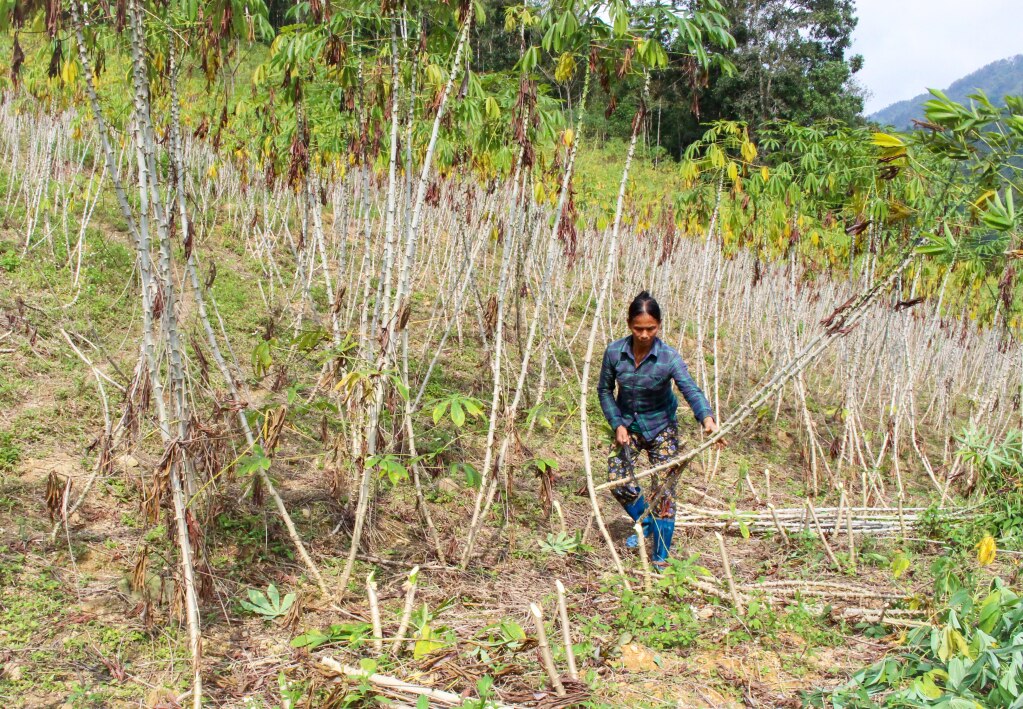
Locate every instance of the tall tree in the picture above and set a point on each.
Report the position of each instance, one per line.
(791, 61)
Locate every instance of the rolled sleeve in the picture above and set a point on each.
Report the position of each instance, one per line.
(606, 392)
(692, 393)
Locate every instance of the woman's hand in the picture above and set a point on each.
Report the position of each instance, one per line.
(710, 427)
(621, 436)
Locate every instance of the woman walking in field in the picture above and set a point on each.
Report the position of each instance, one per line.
(643, 418)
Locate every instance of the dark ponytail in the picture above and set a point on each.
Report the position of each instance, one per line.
(644, 304)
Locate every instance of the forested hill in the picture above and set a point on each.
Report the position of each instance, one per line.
(997, 79)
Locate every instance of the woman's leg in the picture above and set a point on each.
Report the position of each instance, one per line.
(622, 467)
(664, 447)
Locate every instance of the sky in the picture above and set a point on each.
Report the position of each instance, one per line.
(909, 46)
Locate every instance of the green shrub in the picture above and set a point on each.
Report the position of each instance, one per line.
(997, 465)
(972, 658)
(10, 452)
(657, 624)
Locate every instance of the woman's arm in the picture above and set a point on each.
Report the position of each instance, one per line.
(693, 394)
(606, 394)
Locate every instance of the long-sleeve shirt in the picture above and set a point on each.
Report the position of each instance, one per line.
(645, 402)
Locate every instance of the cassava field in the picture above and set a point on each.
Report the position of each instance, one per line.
(299, 335)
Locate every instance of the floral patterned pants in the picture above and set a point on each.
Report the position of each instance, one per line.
(662, 448)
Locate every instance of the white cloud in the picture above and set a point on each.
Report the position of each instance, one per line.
(909, 46)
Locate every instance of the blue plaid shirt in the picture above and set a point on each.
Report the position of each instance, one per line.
(645, 403)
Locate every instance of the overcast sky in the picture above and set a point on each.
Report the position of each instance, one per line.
(909, 46)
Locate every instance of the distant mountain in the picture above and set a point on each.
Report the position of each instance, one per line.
(998, 79)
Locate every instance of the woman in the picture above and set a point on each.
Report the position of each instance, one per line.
(642, 417)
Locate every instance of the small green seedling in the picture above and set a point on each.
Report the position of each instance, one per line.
(269, 605)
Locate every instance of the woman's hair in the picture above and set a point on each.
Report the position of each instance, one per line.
(644, 304)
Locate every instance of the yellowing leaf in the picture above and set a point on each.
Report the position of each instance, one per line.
(900, 563)
(884, 140)
(492, 109)
(568, 137)
(897, 211)
(749, 151)
(716, 156)
(986, 550)
(984, 199)
(69, 72)
(733, 172)
(959, 643)
(565, 68)
(928, 688)
(426, 643)
(764, 173)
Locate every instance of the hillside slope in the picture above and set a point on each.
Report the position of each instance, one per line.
(997, 79)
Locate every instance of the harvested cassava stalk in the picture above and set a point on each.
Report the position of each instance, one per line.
(561, 517)
(877, 521)
(767, 484)
(545, 649)
(887, 616)
(777, 524)
(728, 572)
(641, 552)
(778, 593)
(371, 559)
(406, 612)
(374, 613)
(824, 540)
(830, 594)
(566, 630)
(838, 515)
(393, 684)
(852, 541)
(749, 483)
(806, 583)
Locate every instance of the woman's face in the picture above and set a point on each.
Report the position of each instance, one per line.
(644, 329)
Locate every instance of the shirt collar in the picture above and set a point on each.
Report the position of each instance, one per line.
(654, 349)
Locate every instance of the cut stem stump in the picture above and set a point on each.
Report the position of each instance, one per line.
(545, 649)
(566, 630)
(728, 573)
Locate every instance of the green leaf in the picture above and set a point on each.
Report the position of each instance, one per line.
(457, 413)
(438, 411)
(400, 387)
(530, 59)
(368, 666)
(254, 462)
(990, 612)
(261, 359)
(956, 672)
(620, 19)
(472, 476)
(310, 639)
(472, 407)
(743, 529)
(513, 630)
